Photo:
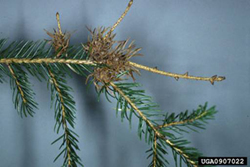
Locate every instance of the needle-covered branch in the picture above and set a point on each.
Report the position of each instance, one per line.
(185, 120)
(137, 103)
(45, 61)
(17, 84)
(64, 115)
(23, 95)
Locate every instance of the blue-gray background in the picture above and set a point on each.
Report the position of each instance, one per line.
(205, 38)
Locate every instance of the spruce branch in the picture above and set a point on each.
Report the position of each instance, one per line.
(23, 95)
(65, 126)
(139, 112)
(45, 61)
(36, 55)
(183, 151)
(198, 118)
(17, 84)
(183, 122)
(64, 105)
(107, 61)
(64, 115)
(142, 115)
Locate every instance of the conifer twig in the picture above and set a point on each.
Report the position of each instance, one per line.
(134, 107)
(45, 61)
(181, 152)
(88, 62)
(154, 128)
(65, 126)
(59, 41)
(121, 18)
(155, 147)
(177, 76)
(17, 83)
(182, 122)
(59, 24)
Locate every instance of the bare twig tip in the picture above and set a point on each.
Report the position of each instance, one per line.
(221, 78)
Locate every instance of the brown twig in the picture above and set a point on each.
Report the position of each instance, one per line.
(58, 23)
(120, 19)
(60, 40)
(177, 76)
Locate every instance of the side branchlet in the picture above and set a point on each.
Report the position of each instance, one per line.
(65, 110)
(60, 40)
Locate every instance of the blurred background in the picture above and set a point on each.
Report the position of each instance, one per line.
(205, 38)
